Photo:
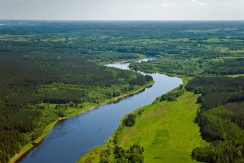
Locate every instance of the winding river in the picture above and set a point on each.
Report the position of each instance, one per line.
(73, 137)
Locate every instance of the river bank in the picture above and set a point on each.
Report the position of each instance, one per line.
(25, 149)
(166, 130)
(76, 136)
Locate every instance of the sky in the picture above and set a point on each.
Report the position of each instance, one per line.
(122, 9)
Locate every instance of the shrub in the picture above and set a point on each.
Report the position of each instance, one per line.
(130, 120)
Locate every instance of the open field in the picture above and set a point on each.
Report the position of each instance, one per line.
(166, 130)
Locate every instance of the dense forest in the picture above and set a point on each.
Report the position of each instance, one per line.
(37, 89)
(221, 118)
(217, 90)
(49, 69)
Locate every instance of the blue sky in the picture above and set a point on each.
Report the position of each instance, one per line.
(122, 9)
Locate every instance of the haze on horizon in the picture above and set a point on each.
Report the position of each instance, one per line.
(122, 9)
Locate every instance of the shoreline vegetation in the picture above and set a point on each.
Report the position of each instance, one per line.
(149, 118)
(64, 84)
(25, 149)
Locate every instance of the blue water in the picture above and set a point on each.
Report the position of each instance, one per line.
(72, 138)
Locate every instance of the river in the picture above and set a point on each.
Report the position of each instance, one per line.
(72, 138)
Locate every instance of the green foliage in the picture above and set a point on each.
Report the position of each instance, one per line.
(217, 90)
(173, 95)
(132, 155)
(135, 153)
(228, 67)
(104, 156)
(181, 65)
(125, 39)
(221, 118)
(44, 70)
(226, 137)
(36, 90)
(130, 120)
(220, 152)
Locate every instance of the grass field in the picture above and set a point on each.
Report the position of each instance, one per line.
(166, 130)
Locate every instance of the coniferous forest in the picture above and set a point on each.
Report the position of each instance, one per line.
(36, 90)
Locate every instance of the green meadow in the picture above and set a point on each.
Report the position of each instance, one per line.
(166, 130)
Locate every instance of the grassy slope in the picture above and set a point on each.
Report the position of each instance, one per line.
(166, 130)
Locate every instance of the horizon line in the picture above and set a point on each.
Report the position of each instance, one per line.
(123, 20)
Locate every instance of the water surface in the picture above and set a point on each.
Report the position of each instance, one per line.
(76, 136)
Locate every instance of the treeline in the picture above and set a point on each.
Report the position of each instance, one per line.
(119, 155)
(173, 95)
(37, 89)
(221, 118)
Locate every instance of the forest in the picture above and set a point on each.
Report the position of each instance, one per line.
(221, 118)
(35, 90)
(123, 40)
(49, 69)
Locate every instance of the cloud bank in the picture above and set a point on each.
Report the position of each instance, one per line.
(122, 9)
